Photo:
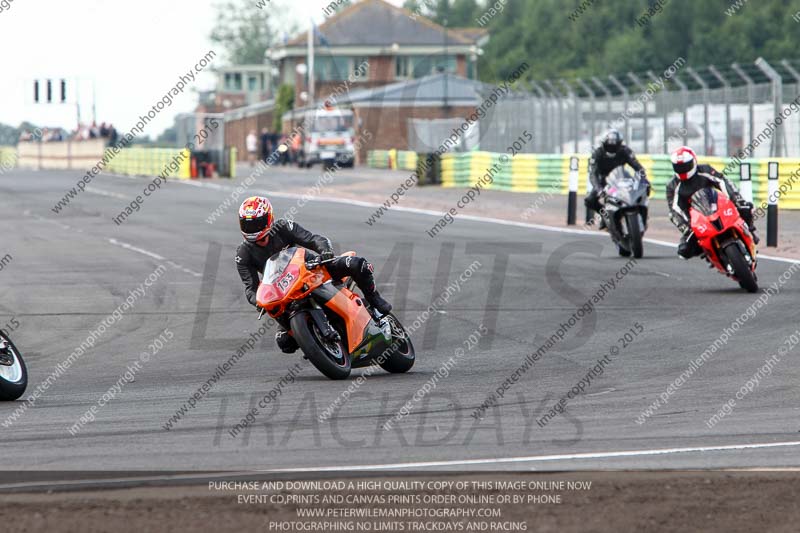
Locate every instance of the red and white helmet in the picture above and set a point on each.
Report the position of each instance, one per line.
(255, 218)
(684, 163)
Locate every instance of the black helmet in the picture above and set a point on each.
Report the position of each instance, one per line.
(612, 142)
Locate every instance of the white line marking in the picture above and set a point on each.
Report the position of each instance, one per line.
(473, 218)
(102, 192)
(539, 458)
(153, 255)
(401, 466)
(132, 248)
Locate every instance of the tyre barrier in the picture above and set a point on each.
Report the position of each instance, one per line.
(392, 159)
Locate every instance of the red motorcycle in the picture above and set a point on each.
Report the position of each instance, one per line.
(724, 237)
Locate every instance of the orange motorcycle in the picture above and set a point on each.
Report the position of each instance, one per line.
(332, 324)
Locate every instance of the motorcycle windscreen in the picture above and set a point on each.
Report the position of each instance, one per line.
(705, 201)
(621, 185)
(279, 276)
(277, 264)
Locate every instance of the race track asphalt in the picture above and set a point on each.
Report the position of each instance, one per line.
(70, 270)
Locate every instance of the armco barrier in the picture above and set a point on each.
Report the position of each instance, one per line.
(76, 155)
(84, 155)
(152, 162)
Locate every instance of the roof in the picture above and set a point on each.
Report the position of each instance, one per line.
(472, 34)
(427, 90)
(378, 23)
(251, 110)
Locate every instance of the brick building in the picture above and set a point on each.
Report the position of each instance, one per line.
(373, 57)
(394, 44)
(392, 113)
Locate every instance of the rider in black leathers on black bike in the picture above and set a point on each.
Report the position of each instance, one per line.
(612, 153)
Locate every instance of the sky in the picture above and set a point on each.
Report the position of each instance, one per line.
(131, 52)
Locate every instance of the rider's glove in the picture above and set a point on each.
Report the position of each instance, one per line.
(643, 177)
(744, 205)
(679, 223)
(326, 255)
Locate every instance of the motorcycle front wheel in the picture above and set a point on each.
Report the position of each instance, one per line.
(13, 373)
(329, 357)
(635, 235)
(745, 276)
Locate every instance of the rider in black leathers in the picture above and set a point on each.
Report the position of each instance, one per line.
(264, 238)
(612, 153)
(689, 178)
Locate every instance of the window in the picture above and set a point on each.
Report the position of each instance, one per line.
(329, 68)
(252, 84)
(359, 68)
(443, 64)
(233, 81)
(402, 67)
(420, 66)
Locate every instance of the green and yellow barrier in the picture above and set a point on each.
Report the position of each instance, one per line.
(139, 161)
(392, 159)
(550, 173)
(378, 158)
(8, 157)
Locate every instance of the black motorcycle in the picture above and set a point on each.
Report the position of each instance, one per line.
(13, 373)
(625, 211)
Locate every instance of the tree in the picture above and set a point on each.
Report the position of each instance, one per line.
(169, 137)
(567, 38)
(284, 101)
(245, 31)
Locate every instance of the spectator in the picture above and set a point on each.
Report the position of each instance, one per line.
(103, 130)
(265, 144)
(94, 131)
(252, 147)
(275, 141)
(113, 137)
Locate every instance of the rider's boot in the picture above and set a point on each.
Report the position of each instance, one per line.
(378, 303)
(753, 233)
(285, 341)
(365, 280)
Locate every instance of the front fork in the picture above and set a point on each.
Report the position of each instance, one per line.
(321, 320)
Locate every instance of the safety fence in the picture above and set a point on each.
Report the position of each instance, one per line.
(8, 157)
(134, 161)
(169, 162)
(550, 173)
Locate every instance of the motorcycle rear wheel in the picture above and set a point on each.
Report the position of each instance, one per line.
(403, 357)
(330, 358)
(13, 373)
(745, 276)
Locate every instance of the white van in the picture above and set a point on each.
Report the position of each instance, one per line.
(328, 138)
